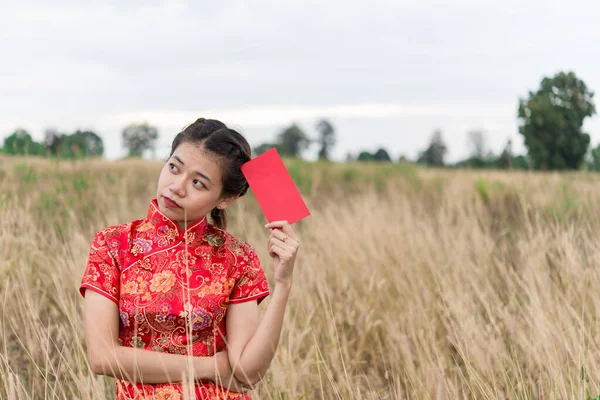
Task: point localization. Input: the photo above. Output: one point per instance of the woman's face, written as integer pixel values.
(190, 185)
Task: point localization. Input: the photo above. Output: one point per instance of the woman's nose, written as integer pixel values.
(178, 187)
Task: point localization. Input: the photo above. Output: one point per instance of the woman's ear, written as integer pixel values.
(225, 202)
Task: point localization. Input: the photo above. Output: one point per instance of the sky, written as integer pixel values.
(385, 73)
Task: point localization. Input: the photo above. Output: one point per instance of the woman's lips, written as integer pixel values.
(170, 203)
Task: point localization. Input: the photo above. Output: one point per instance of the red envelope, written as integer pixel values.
(274, 188)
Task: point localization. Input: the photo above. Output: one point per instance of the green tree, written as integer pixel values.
(80, 144)
(68, 147)
(381, 155)
(90, 143)
(52, 139)
(521, 162)
(138, 138)
(436, 151)
(264, 147)
(595, 159)
(21, 143)
(326, 138)
(292, 141)
(365, 156)
(506, 158)
(552, 120)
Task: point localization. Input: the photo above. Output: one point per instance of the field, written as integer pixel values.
(410, 283)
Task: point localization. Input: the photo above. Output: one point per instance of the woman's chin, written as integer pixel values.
(169, 212)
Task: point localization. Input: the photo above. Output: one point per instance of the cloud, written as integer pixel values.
(285, 114)
(386, 72)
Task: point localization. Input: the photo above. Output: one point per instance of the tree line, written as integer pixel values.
(139, 138)
(550, 121)
(136, 138)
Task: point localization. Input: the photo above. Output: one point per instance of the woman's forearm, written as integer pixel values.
(152, 367)
(260, 350)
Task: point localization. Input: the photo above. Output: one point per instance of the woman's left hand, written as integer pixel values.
(283, 246)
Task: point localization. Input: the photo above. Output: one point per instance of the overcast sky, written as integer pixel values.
(386, 73)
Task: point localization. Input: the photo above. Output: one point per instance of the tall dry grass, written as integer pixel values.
(434, 285)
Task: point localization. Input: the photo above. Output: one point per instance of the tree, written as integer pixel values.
(552, 120)
(365, 156)
(381, 155)
(594, 162)
(477, 143)
(77, 145)
(51, 141)
(292, 141)
(521, 162)
(326, 138)
(21, 143)
(91, 145)
(435, 152)
(480, 155)
(506, 158)
(264, 147)
(138, 138)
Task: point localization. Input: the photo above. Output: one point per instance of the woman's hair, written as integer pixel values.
(230, 150)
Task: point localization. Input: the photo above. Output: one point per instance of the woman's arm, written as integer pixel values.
(107, 357)
(252, 344)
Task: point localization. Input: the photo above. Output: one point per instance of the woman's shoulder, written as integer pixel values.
(120, 232)
(221, 238)
(115, 240)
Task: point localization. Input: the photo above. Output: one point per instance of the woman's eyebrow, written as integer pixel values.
(197, 173)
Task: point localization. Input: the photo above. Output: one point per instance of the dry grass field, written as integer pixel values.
(410, 284)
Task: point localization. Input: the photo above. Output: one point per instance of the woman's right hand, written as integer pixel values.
(224, 375)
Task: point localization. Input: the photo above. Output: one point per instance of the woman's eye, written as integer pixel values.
(172, 167)
(198, 183)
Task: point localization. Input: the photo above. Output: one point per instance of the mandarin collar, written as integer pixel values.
(171, 228)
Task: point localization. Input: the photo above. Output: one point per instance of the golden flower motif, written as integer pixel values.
(187, 308)
(145, 264)
(216, 268)
(143, 283)
(186, 258)
(145, 226)
(189, 237)
(130, 287)
(94, 274)
(186, 263)
(167, 393)
(162, 282)
(216, 287)
(172, 235)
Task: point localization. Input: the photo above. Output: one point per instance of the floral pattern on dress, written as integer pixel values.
(173, 288)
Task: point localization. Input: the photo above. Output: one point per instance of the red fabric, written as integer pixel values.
(161, 276)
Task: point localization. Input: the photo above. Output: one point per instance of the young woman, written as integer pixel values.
(172, 298)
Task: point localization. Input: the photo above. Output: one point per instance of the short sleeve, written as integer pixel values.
(251, 282)
(101, 273)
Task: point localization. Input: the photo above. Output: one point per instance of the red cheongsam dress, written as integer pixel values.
(163, 279)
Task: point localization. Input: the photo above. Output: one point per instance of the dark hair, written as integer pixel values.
(230, 149)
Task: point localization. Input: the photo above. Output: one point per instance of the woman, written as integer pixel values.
(172, 298)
